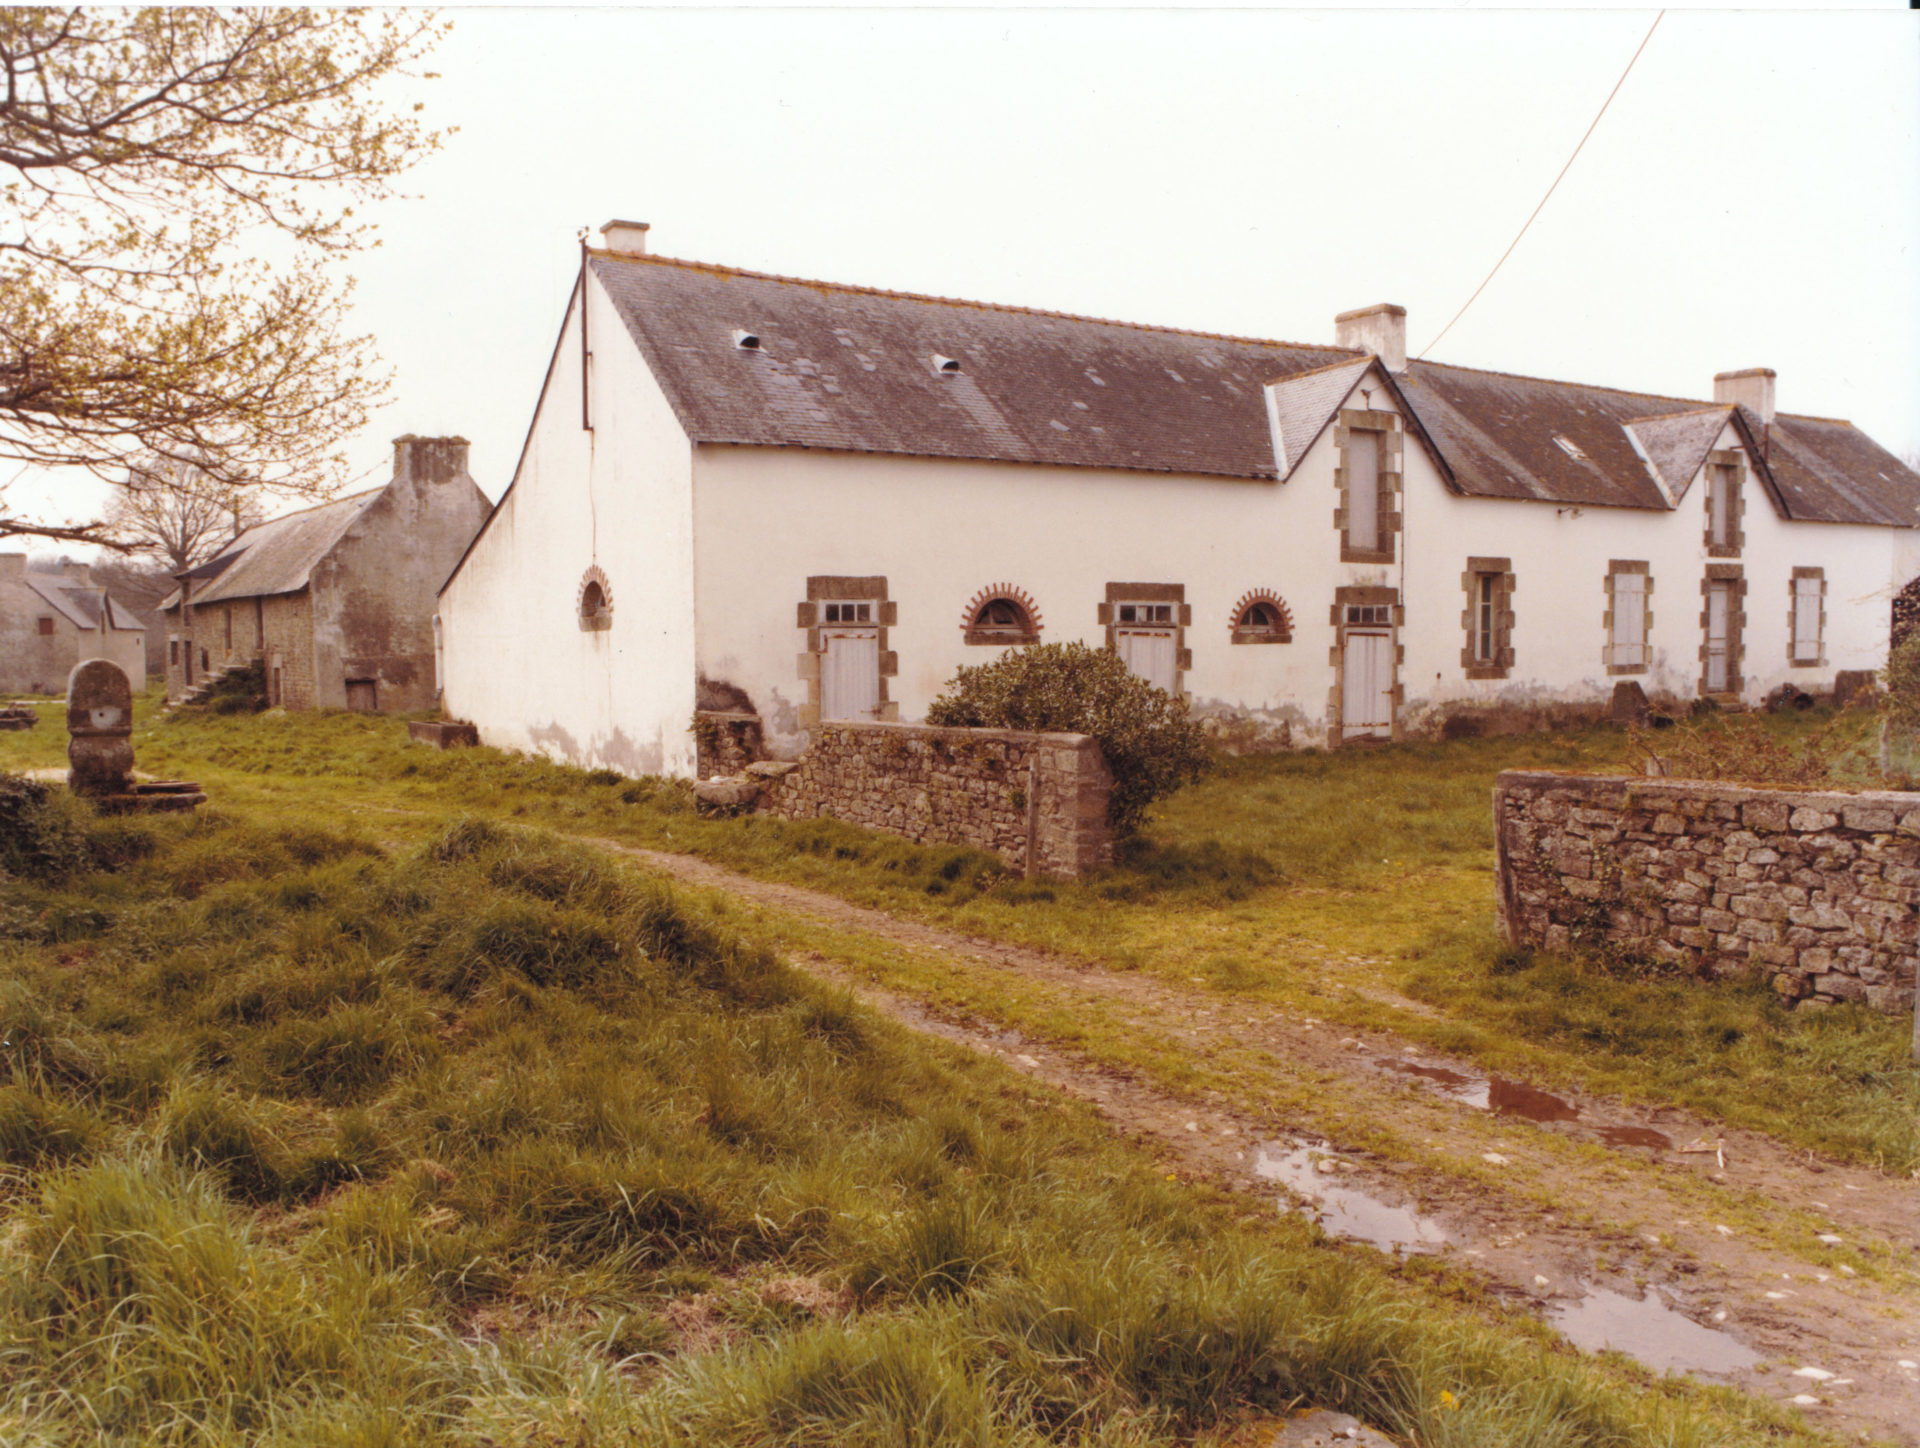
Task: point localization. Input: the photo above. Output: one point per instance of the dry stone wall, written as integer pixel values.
(1815, 890)
(1039, 801)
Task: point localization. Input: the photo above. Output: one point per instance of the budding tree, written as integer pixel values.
(179, 188)
(175, 514)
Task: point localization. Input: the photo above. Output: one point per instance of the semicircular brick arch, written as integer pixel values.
(594, 618)
(977, 632)
(1243, 633)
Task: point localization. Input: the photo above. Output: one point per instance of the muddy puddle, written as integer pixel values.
(1341, 1207)
(1516, 1098)
(1649, 1331)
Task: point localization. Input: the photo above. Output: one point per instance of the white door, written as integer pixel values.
(850, 673)
(1366, 695)
(1718, 597)
(1148, 652)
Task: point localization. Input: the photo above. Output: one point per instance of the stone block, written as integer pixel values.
(1867, 818)
(1789, 986)
(1807, 820)
(1758, 907)
(1840, 987)
(1720, 921)
(1668, 824)
(1819, 917)
(1767, 815)
(1817, 960)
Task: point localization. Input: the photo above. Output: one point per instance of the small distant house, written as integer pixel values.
(54, 618)
(336, 601)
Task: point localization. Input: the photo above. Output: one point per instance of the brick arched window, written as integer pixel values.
(595, 601)
(1262, 617)
(1001, 615)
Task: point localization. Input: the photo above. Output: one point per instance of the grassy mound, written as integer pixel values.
(485, 1141)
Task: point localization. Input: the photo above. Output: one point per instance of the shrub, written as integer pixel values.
(43, 831)
(1902, 680)
(1151, 745)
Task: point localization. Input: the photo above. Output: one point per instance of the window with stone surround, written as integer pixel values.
(1488, 619)
(1262, 617)
(1723, 621)
(1001, 616)
(1807, 618)
(1629, 617)
(853, 613)
(1726, 504)
(593, 605)
(1367, 478)
(1146, 625)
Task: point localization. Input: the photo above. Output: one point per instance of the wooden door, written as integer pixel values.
(1366, 694)
(850, 673)
(1150, 653)
(1719, 600)
(362, 696)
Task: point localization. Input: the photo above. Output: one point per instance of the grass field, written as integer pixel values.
(366, 1118)
(1357, 887)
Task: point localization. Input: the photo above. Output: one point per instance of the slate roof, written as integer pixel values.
(851, 368)
(1301, 406)
(276, 556)
(81, 604)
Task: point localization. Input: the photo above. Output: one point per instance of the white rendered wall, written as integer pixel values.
(518, 664)
(765, 519)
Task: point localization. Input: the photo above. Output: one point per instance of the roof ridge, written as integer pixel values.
(1669, 416)
(651, 259)
(1568, 382)
(310, 508)
(1324, 367)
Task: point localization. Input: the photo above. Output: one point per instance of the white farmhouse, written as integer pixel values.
(812, 501)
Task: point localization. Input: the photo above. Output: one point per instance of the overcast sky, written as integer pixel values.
(1751, 199)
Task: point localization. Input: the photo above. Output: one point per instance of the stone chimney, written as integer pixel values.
(1751, 389)
(13, 566)
(422, 460)
(626, 238)
(1381, 330)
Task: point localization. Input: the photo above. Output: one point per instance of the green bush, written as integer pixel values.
(43, 831)
(1150, 743)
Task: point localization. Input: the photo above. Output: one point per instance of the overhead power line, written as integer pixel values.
(1550, 190)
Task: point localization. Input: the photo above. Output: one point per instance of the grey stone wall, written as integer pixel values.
(1815, 890)
(725, 742)
(1039, 801)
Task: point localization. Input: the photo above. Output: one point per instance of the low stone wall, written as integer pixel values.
(726, 742)
(1039, 801)
(1816, 890)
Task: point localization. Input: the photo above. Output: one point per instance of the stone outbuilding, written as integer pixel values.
(54, 618)
(335, 601)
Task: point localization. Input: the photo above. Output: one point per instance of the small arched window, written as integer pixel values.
(595, 605)
(1262, 618)
(1001, 615)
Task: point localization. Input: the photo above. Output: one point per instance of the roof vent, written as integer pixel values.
(749, 341)
(948, 365)
(1569, 447)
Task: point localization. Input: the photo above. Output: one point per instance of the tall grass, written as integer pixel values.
(484, 1141)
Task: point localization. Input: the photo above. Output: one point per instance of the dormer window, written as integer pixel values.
(1724, 505)
(944, 365)
(746, 341)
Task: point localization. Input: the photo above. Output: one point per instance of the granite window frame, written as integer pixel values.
(1732, 465)
(1370, 597)
(1107, 613)
(1488, 582)
(1616, 568)
(1735, 575)
(810, 615)
(1819, 659)
(1390, 457)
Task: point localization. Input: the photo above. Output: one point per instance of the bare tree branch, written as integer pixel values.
(145, 156)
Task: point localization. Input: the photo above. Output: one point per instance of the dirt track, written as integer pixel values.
(1562, 1212)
